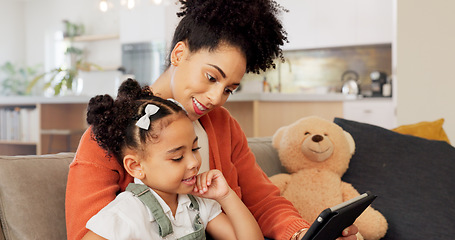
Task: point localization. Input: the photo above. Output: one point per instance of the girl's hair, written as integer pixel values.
(250, 25)
(113, 122)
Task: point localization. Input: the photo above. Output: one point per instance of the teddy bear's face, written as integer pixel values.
(316, 146)
(316, 143)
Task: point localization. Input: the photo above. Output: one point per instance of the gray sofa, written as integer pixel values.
(32, 191)
(412, 176)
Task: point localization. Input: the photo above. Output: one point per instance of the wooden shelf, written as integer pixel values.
(104, 69)
(93, 38)
(7, 142)
(60, 124)
(61, 131)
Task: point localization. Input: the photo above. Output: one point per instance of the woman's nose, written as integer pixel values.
(216, 96)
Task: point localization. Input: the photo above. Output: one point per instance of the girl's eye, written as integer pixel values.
(195, 149)
(210, 78)
(307, 133)
(177, 159)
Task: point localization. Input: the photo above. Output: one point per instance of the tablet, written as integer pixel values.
(332, 221)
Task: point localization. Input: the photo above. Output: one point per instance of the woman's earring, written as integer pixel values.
(175, 62)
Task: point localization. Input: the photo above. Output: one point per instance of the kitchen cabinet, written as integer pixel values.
(376, 111)
(262, 119)
(55, 124)
(333, 23)
(261, 114)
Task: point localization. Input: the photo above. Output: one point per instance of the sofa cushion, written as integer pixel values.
(32, 196)
(429, 130)
(266, 155)
(413, 178)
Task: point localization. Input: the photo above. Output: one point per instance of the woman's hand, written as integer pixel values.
(211, 184)
(348, 234)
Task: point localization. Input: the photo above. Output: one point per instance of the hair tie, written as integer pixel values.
(144, 121)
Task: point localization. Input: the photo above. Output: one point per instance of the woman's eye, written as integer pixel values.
(228, 91)
(210, 78)
(195, 149)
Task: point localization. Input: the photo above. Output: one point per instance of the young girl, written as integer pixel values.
(156, 142)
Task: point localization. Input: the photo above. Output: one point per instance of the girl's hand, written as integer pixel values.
(211, 184)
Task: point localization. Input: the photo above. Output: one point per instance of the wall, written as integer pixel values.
(40, 19)
(424, 62)
(12, 31)
(44, 17)
(334, 23)
(148, 23)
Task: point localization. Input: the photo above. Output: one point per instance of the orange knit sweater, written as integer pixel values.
(94, 180)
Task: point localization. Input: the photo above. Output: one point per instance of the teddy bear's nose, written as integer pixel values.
(317, 138)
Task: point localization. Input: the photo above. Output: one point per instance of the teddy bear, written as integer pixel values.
(316, 153)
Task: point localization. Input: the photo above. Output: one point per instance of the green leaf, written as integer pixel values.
(57, 88)
(34, 82)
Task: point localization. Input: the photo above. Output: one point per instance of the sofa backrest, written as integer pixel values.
(266, 155)
(32, 191)
(32, 196)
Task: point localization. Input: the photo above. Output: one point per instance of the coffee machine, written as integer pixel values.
(380, 87)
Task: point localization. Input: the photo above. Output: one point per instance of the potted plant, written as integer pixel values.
(64, 78)
(16, 79)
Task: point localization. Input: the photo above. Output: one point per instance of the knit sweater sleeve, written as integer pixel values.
(94, 180)
(276, 216)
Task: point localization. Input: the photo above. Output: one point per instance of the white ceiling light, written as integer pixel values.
(130, 4)
(103, 6)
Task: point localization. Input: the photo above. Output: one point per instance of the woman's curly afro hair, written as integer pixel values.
(251, 25)
(113, 122)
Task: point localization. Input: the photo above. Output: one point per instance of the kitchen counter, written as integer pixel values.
(261, 114)
(290, 97)
(237, 97)
(32, 100)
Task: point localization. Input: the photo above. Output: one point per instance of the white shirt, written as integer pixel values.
(203, 142)
(128, 218)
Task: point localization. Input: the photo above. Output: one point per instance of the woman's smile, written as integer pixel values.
(199, 108)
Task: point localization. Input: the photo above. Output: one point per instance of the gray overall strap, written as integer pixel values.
(194, 204)
(198, 226)
(140, 190)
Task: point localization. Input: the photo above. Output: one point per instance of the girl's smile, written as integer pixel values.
(190, 181)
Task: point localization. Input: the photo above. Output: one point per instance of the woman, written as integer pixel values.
(215, 43)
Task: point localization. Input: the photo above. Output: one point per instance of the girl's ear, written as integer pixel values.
(178, 52)
(133, 167)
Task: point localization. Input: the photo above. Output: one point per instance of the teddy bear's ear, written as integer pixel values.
(351, 142)
(276, 139)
